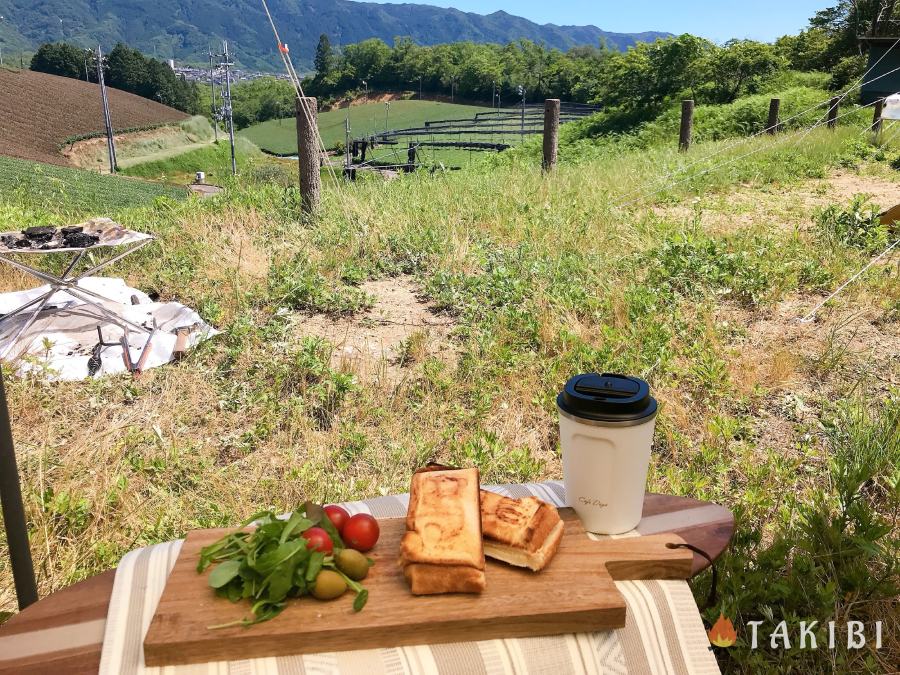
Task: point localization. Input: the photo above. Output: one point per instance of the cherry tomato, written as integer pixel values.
(338, 516)
(361, 532)
(318, 540)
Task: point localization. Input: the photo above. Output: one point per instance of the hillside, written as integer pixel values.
(184, 30)
(40, 112)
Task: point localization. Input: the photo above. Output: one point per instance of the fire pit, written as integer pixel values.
(97, 232)
(74, 240)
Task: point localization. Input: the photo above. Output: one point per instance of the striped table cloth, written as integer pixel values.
(664, 633)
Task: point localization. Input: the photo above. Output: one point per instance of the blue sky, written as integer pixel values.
(714, 19)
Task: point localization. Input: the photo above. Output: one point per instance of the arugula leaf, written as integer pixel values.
(315, 513)
(224, 573)
(360, 600)
(271, 563)
(329, 527)
(295, 522)
(315, 565)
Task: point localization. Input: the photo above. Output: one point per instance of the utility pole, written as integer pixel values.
(387, 114)
(347, 146)
(366, 85)
(212, 94)
(110, 141)
(522, 94)
(226, 96)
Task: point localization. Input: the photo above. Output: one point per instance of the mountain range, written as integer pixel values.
(184, 29)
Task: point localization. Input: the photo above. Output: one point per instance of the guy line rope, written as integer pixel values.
(298, 88)
(812, 314)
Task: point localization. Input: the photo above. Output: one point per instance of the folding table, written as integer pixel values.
(111, 236)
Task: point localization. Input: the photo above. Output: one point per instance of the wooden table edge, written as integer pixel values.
(89, 599)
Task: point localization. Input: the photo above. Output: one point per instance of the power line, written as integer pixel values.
(809, 317)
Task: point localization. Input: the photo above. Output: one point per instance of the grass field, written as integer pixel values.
(56, 191)
(213, 159)
(279, 137)
(528, 278)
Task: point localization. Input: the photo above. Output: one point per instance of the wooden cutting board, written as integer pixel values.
(575, 593)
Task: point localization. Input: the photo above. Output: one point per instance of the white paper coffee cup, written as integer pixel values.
(606, 424)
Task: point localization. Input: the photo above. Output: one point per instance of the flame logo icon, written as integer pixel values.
(722, 634)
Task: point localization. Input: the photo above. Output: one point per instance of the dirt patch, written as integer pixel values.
(802, 365)
(385, 343)
(383, 97)
(131, 148)
(783, 207)
(841, 187)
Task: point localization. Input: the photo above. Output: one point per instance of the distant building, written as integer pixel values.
(172, 64)
(884, 78)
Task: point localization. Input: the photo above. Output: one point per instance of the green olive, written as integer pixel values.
(352, 563)
(329, 585)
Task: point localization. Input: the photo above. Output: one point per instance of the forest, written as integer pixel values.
(124, 68)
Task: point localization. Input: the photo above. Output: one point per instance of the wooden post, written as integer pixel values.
(833, 112)
(876, 116)
(308, 153)
(687, 125)
(551, 133)
(774, 108)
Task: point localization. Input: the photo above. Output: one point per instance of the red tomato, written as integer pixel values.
(318, 540)
(338, 516)
(361, 532)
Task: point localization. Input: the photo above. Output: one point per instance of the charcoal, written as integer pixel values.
(80, 240)
(39, 234)
(72, 229)
(22, 243)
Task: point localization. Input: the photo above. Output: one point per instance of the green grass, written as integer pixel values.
(213, 159)
(279, 137)
(696, 287)
(73, 192)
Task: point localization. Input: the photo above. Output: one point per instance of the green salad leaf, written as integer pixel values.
(271, 563)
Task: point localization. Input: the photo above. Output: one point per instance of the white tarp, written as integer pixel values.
(60, 342)
(891, 110)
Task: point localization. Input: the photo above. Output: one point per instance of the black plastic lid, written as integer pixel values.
(607, 398)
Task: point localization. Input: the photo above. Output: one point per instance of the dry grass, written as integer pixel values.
(492, 290)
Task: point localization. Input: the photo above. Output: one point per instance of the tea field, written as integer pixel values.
(279, 137)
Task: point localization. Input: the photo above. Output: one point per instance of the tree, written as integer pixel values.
(59, 58)
(324, 57)
(738, 67)
(806, 51)
(126, 69)
(850, 20)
